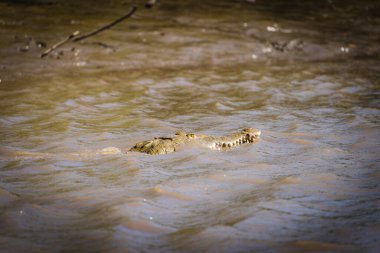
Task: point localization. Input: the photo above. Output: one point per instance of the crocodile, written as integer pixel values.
(166, 145)
(158, 146)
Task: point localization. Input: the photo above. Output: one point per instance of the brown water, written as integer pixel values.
(310, 184)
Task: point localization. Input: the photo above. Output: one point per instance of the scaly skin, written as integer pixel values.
(165, 145)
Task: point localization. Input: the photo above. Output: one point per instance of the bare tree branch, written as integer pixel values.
(86, 35)
(75, 38)
(57, 45)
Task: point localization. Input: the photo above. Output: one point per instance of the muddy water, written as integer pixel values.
(307, 76)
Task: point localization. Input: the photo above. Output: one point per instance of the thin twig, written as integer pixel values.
(84, 36)
(57, 45)
(75, 38)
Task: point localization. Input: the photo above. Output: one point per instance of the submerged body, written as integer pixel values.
(165, 145)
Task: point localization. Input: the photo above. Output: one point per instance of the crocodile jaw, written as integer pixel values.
(247, 135)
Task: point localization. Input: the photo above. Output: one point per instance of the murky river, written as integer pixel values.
(306, 74)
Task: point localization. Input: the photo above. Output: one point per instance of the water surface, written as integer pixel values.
(308, 77)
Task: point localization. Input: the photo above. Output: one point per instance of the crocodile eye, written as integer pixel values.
(190, 135)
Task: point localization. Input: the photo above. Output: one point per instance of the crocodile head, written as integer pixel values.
(247, 135)
(165, 145)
